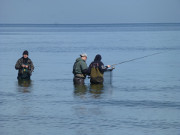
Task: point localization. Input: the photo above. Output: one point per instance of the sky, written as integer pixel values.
(89, 11)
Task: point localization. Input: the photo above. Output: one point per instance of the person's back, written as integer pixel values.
(78, 66)
(80, 69)
(96, 70)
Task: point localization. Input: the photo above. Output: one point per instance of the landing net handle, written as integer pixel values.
(108, 76)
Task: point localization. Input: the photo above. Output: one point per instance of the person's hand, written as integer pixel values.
(23, 65)
(108, 66)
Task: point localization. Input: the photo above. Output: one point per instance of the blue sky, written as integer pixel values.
(89, 11)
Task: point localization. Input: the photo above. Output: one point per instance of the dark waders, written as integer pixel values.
(78, 80)
(97, 80)
(24, 74)
(21, 77)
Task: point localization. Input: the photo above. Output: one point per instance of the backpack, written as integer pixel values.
(96, 75)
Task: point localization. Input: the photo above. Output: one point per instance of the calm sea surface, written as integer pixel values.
(143, 98)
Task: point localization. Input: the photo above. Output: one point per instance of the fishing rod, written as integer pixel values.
(134, 59)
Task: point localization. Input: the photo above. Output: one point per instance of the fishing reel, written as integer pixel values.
(112, 67)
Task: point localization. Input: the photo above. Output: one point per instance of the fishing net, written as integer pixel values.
(108, 76)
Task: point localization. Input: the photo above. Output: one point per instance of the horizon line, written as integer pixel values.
(81, 23)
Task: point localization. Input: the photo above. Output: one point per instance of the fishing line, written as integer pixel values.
(135, 59)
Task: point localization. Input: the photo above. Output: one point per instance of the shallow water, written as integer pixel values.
(143, 98)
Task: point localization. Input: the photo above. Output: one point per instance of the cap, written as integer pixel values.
(83, 55)
(25, 52)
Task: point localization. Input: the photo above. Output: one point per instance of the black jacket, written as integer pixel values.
(97, 63)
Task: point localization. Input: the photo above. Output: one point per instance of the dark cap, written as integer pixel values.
(25, 52)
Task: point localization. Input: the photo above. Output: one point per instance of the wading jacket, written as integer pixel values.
(97, 64)
(22, 61)
(80, 68)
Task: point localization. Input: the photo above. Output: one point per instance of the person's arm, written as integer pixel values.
(18, 65)
(85, 71)
(103, 68)
(89, 69)
(84, 68)
(31, 66)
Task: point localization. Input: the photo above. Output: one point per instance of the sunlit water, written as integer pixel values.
(143, 98)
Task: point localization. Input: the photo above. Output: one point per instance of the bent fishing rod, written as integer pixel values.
(134, 59)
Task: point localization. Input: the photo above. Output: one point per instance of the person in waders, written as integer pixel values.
(96, 70)
(80, 69)
(25, 67)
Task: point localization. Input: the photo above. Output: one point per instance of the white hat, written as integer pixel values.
(83, 55)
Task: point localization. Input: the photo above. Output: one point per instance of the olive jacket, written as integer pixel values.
(80, 68)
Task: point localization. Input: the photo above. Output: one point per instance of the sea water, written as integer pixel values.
(143, 98)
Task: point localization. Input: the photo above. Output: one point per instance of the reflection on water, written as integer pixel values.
(92, 90)
(80, 90)
(92, 111)
(96, 90)
(87, 113)
(24, 86)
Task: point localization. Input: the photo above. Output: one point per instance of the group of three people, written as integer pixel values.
(95, 70)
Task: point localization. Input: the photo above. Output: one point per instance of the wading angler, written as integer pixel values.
(25, 67)
(80, 69)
